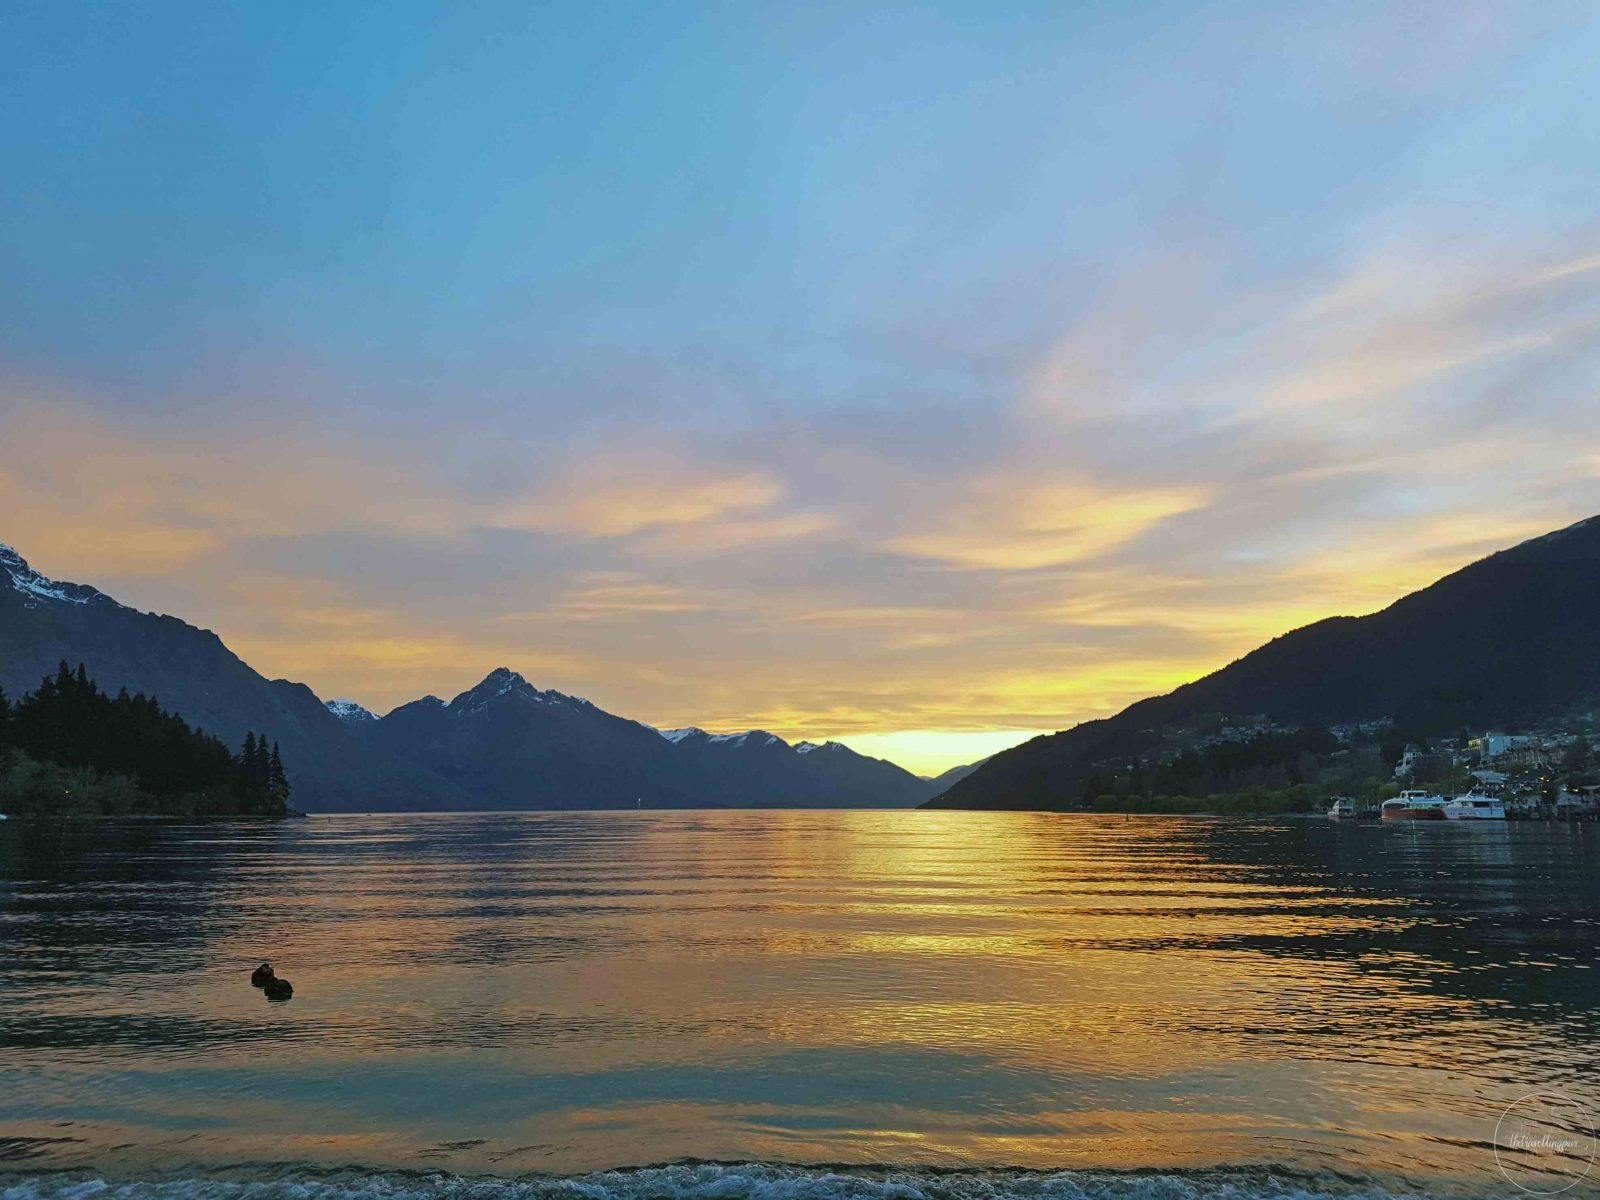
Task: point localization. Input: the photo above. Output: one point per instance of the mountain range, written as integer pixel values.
(1509, 639)
(1505, 640)
(503, 744)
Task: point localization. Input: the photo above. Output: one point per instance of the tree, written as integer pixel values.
(247, 755)
(1094, 787)
(263, 763)
(1305, 769)
(277, 781)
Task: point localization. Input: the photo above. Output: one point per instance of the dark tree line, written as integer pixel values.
(1277, 759)
(262, 768)
(68, 747)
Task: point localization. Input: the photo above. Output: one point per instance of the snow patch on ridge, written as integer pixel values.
(722, 739)
(1545, 539)
(741, 739)
(38, 587)
(1573, 528)
(757, 737)
(350, 712)
(502, 681)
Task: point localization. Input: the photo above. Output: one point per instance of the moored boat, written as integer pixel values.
(1342, 809)
(1475, 806)
(1414, 806)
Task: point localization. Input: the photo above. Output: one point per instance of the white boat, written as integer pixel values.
(1342, 809)
(1475, 806)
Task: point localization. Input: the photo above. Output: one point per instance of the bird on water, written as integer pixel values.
(265, 978)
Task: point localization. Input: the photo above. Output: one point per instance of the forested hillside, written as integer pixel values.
(68, 749)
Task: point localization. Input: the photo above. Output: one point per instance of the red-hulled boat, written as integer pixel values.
(1414, 806)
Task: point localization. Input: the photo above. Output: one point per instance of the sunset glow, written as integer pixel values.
(724, 369)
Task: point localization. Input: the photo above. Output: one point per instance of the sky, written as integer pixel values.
(922, 376)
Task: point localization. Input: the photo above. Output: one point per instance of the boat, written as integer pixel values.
(1475, 806)
(1414, 806)
(1342, 809)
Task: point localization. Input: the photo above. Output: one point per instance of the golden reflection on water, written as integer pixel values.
(564, 991)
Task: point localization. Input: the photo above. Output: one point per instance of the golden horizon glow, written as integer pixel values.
(818, 588)
(333, 642)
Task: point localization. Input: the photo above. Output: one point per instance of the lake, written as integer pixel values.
(795, 1004)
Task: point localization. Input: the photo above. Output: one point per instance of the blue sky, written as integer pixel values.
(923, 374)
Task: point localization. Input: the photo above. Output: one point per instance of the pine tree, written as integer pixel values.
(247, 757)
(277, 781)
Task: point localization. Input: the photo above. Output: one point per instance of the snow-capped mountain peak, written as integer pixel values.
(349, 712)
(747, 737)
(504, 682)
(36, 587)
(750, 737)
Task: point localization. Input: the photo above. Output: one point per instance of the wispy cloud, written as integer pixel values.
(626, 595)
(1004, 523)
(615, 496)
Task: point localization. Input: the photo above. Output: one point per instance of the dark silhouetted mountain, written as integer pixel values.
(510, 745)
(947, 779)
(504, 744)
(1507, 640)
(759, 764)
(193, 674)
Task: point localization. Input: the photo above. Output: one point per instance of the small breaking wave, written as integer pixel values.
(715, 1181)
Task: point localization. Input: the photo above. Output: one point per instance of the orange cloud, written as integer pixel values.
(1007, 524)
(622, 594)
(617, 496)
(721, 536)
(117, 497)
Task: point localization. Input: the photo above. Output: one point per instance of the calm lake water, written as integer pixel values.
(934, 1004)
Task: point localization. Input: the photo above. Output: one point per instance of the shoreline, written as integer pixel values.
(689, 1178)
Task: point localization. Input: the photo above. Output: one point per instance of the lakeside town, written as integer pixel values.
(1547, 773)
(1361, 770)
